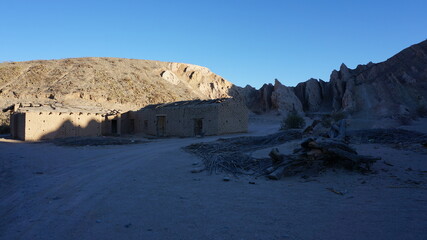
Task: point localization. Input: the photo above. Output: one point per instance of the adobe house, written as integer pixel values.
(193, 118)
(34, 123)
(183, 119)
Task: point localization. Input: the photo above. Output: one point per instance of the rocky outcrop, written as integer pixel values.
(391, 88)
(397, 86)
(312, 95)
(258, 101)
(285, 100)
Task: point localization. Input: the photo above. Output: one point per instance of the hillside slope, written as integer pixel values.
(107, 82)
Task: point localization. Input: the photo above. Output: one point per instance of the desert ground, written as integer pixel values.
(147, 191)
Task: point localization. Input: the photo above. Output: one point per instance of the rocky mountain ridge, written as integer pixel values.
(395, 87)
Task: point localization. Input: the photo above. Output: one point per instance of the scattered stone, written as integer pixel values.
(39, 173)
(388, 164)
(226, 179)
(197, 170)
(335, 191)
(250, 182)
(128, 225)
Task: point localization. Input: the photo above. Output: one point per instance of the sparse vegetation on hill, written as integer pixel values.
(107, 82)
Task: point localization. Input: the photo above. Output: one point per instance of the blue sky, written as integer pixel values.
(245, 41)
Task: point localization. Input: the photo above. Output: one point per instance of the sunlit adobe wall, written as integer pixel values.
(51, 125)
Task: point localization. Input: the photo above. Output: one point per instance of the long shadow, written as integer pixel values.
(69, 129)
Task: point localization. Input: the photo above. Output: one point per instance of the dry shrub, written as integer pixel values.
(293, 121)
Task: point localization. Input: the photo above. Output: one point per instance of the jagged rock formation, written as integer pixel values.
(284, 99)
(397, 86)
(258, 101)
(391, 88)
(107, 82)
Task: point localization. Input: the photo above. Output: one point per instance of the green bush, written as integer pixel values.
(293, 121)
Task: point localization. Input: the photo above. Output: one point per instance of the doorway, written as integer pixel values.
(113, 127)
(198, 127)
(132, 126)
(161, 126)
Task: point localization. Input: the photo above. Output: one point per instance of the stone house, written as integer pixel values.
(182, 119)
(193, 118)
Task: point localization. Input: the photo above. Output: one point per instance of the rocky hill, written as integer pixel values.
(107, 82)
(395, 87)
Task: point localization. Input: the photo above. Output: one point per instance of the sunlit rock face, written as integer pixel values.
(107, 82)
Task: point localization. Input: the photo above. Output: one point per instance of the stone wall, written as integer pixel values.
(186, 121)
(179, 121)
(233, 118)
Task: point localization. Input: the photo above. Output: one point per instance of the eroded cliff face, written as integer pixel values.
(107, 82)
(394, 87)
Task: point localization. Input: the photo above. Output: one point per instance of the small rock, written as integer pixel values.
(251, 182)
(226, 179)
(128, 225)
(39, 173)
(197, 170)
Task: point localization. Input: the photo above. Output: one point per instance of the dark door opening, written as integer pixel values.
(132, 126)
(161, 126)
(113, 126)
(198, 127)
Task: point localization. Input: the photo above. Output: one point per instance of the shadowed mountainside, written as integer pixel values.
(395, 87)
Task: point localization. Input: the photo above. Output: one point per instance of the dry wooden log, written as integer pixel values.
(318, 154)
(276, 156)
(277, 174)
(324, 144)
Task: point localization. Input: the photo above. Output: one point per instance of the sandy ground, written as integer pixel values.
(146, 191)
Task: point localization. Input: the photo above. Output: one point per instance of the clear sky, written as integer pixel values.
(245, 41)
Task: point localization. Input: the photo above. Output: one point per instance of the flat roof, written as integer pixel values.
(191, 103)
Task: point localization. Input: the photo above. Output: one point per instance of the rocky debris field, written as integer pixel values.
(232, 156)
(229, 155)
(396, 138)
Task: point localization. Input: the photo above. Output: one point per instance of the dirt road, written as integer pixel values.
(146, 191)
